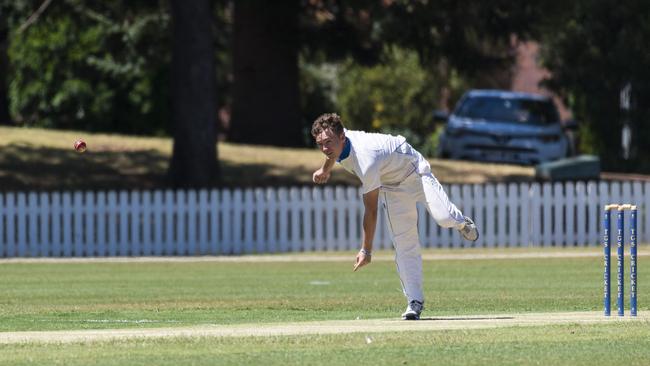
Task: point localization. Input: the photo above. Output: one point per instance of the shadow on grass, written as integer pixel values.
(262, 175)
(25, 168)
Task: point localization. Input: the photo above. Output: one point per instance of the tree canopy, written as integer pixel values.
(385, 65)
(594, 49)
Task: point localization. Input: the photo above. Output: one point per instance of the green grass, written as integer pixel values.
(60, 296)
(573, 344)
(47, 296)
(40, 159)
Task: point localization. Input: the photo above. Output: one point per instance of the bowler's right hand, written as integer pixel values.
(362, 259)
(321, 176)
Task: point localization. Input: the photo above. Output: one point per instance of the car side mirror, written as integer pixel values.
(440, 116)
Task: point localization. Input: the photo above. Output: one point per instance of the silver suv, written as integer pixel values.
(504, 126)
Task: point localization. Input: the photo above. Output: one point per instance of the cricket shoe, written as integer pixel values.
(469, 230)
(413, 310)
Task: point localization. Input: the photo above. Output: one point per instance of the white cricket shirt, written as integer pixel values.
(381, 160)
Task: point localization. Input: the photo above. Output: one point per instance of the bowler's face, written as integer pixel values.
(330, 144)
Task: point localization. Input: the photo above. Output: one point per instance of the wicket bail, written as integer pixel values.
(620, 244)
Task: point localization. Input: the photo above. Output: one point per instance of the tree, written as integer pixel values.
(471, 39)
(266, 101)
(468, 37)
(593, 50)
(92, 65)
(11, 13)
(5, 119)
(194, 159)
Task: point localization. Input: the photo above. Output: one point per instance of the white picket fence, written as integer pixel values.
(273, 220)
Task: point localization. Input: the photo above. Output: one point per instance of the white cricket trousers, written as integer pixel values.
(402, 217)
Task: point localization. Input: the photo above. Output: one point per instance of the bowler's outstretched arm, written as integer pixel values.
(370, 203)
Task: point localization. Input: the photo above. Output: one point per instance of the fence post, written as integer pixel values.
(490, 215)
(123, 214)
(295, 207)
(32, 215)
(319, 223)
(307, 208)
(135, 213)
(524, 196)
(169, 222)
(581, 214)
(479, 212)
(238, 209)
(77, 224)
(215, 223)
(100, 210)
(593, 209)
(547, 199)
(535, 194)
(21, 213)
(260, 221)
(203, 223)
(456, 196)
(181, 228)
(502, 221)
(147, 248)
(514, 219)
(56, 224)
(226, 214)
(192, 223)
(3, 243)
(330, 242)
(89, 209)
(272, 239)
(283, 220)
(249, 212)
(339, 204)
(468, 207)
(569, 222)
(558, 214)
(158, 223)
(67, 224)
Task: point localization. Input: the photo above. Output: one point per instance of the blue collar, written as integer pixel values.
(346, 150)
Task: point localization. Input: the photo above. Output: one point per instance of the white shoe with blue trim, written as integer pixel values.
(469, 230)
(413, 310)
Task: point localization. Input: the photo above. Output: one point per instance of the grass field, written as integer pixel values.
(104, 295)
(627, 343)
(41, 159)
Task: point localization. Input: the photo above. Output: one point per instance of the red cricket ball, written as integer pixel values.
(80, 146)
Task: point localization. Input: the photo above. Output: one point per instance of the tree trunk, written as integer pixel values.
(266, 99)
(194, 160)
(5, 118)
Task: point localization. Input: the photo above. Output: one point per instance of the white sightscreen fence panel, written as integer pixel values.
(297, 219)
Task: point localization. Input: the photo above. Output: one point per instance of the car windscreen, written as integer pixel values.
(515, 110)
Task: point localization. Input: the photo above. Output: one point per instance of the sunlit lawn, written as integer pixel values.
(49, 296)
(41, 159)
(44, 296)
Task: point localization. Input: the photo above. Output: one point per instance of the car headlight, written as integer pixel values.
(548, 139)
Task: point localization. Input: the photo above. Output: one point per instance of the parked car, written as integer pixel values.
(504, 126)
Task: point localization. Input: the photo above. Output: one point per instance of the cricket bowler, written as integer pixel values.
(389, 167)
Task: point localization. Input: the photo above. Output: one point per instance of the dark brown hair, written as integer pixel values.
(326, 121)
